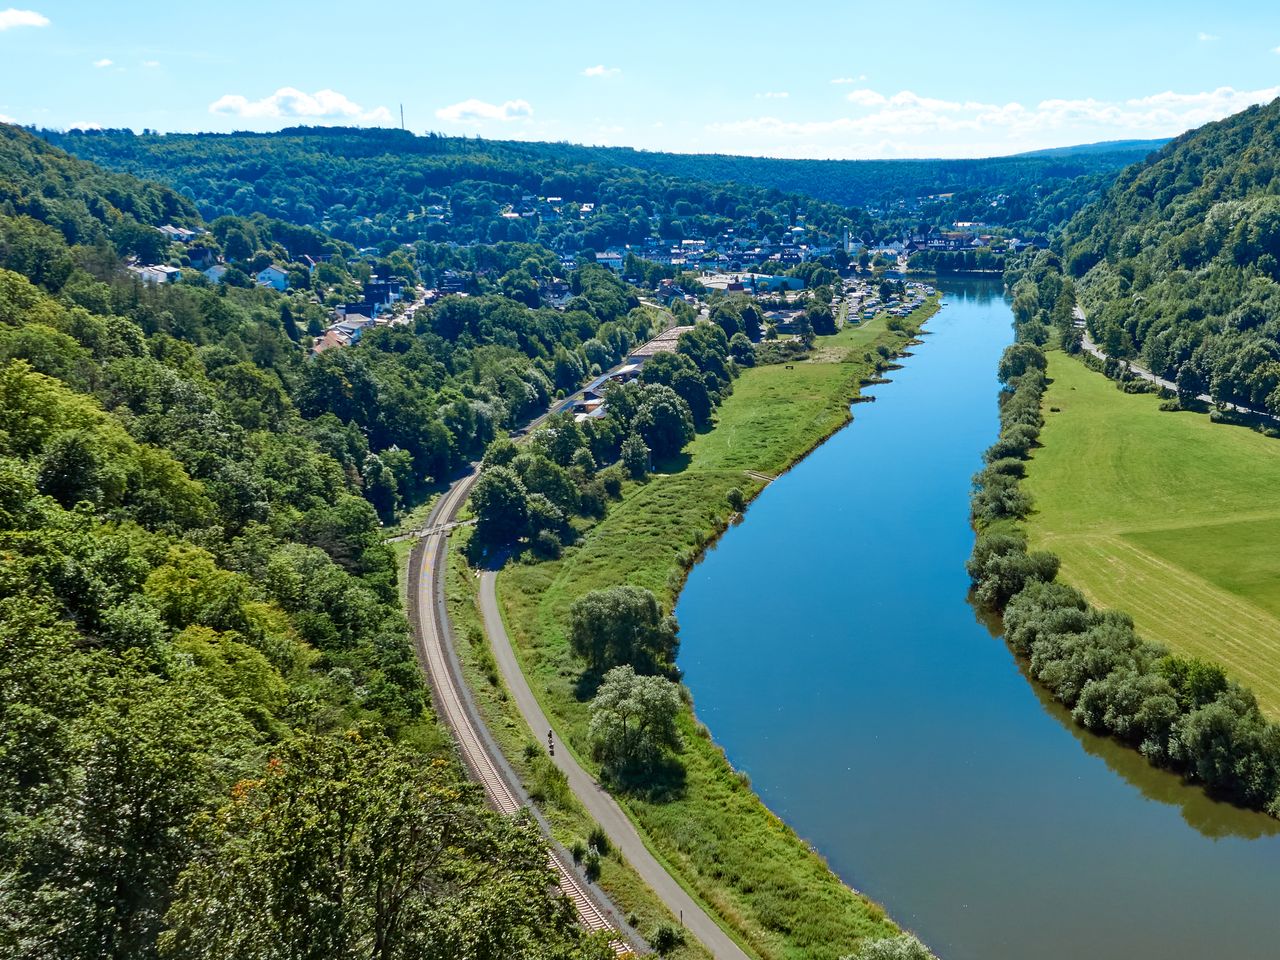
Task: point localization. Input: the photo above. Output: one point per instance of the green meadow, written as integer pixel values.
(1167, 516)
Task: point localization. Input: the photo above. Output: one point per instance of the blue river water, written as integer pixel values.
(831, 649)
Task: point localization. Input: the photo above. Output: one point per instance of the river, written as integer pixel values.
(832, 651)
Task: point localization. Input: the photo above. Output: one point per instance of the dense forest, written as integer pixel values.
(365, 186)
(1179, 263)
(1027, 192)
(370, 185)
(215, 738)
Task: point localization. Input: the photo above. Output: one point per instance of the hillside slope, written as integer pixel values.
(212, 726)
(368, 184)
(1180, 260)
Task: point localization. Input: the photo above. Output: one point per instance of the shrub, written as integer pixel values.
(666, 938)
(612, 477)
(902, 947)
(737, 500)
(547, 545)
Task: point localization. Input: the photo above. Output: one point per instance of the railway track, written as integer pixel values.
(433, 640)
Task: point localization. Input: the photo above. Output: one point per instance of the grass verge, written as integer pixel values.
(767, 887)
(569, 822)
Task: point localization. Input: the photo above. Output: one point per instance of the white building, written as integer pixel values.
(157, 274)
(273, 276)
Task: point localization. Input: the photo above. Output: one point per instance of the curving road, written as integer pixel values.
(1088, 346)
(433, 637)
(602, 807)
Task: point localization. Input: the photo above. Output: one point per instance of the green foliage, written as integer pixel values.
(623, 626)
(1180, 712)
(1179, 262)
(353, 848)
(191, 566)
(500, 503)
(635, 456)
(368, 186)
(902, 947)
(633, 723)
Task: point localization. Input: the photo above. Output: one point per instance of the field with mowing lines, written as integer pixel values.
(1166, 516)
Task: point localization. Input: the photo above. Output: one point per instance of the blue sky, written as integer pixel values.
(820, 79)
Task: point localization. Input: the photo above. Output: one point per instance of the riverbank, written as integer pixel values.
(1158, 514)
(772, 892)
(1183, 712)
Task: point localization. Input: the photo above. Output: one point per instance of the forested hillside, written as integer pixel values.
(370, 185)
(1033, 191)
(1179, 263)
(214, 738)
(365, 186)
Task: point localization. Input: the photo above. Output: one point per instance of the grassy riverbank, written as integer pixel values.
(1165, 516)
(767, 887)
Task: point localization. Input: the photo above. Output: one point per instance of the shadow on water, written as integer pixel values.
(1211, 818)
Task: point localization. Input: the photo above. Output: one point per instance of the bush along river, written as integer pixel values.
(831, 648)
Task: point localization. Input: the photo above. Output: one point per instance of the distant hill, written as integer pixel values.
(1140, 148)
(1179, 261)
(855, 182)
(370, 185)
(78, 198)
(362, 183)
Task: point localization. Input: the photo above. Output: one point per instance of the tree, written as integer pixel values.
(635, 456)
(633, 722)
(679, 373)
(663, 420)
(622, 625)
(380, 487)
(742, 350)
(350, 849)
(500, 504)
(1017, 359)
(820, 318)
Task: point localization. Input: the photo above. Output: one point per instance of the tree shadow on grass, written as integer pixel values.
(665, 782)
(677, 463)
(585, 687)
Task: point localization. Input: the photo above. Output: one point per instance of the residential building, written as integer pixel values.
(273, 276)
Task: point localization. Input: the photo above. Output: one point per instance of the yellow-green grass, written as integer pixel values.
(1166, 516)
(767, 887)
(568, 820)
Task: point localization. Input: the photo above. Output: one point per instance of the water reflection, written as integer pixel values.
(831, 653)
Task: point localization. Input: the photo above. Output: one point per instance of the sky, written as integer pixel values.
(844, 80)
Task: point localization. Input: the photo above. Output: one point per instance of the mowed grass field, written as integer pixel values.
(1166, 516)
(774, 893)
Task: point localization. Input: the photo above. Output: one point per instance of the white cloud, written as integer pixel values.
(7, 119)
(21, 18)
(477, 111)
(151, 63)
(773, 95)
(600, 70)
(906, 123)
(85, 125)
(865, 98)
(1206, 37)
(104, 62)
(289, 102)
(1276, 50)
(845, 80)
